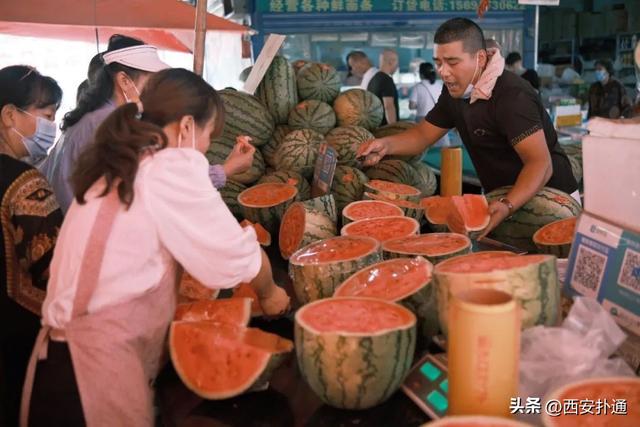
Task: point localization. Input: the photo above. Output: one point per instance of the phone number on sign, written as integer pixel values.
(556, 408)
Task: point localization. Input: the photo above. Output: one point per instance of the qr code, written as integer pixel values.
(588, 271)
(630, 272)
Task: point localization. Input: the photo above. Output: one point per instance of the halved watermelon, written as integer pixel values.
(475, 421)
(382, 229)
(190, 289)
(436, 211)
(555, 238)
(364, 209)
(531, 279)
(245, 291)
(317, 269)
(468, 214)
(219, 360)
(403, 280)
(605, 390)
(302, 225)
(266, 203)
(354, 352)
(325, 204)
(264, 237)
(436, 247)
(392, 190)
(409, 208)
(235, 310)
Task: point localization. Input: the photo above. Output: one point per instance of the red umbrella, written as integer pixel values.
(166, 24)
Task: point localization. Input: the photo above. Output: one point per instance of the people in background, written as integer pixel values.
(31, 220)
(513, 63)
(351, 79)
(425, 94)
(608, 97)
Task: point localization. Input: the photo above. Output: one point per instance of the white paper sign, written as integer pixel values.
(268, 52)
(540, 2)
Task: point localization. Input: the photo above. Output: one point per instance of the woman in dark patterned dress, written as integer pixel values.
(30, 219)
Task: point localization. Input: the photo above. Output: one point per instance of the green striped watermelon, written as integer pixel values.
(312, 114)
(269, 149)
(218, 152)
(531, 279)
(317, 269)
(574, 153)
(394, 171)
(245, 115)
(435, 247)
(394, 129)
(265, 204)
(230, 193)
(278, 90)
(299, 64)
(325, 204)
(291, 178)
(298, 152)
(302, 225)
(357, 107)
(426, 180)
(346, 140)
(348, 185)
(546, 206)
(354, 352)
(320, 82)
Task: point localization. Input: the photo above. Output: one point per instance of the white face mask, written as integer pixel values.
(467, 92)
(126, 98)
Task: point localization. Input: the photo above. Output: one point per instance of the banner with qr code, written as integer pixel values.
(605, 264)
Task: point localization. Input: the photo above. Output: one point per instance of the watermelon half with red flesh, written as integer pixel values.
(232, 310)
(219, 360)
(382, 229)
(354, 352)
(365, 209)
(435, 247)
(245, 291)
(556, 237)
(190, 289)
(266, 203)
(466, 214)
(403, 280)
(436, 210)
(302, 225)
(409, 208)
(264, 237)
(392, 190)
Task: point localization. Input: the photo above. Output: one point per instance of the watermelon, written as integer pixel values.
(299, 65)
(357, 107)
(190, 289)
(409, 208)
(548, 205)
(531, 279)
(325, 204)
(348, 185)
(234, 310)
(603, 390)
(394, 171)
(364, 209)
(346, 140)
(426, 180)
(245, 115)
(354, 352)
(264, 238)
(392, 190)
(574, 153)
(219, 360)
(403, 280)
(298, 152)
(383, 228)
(230, 193)
(317, 269)
(475, 421)
(277, 90)
(291, 178)
(218, 152)
(468, 214)
(245, 291)
(320, 82)
(394, 129)
(302, 225)
(266, 203)
(314, 115)
(435, 247)
(269, 149)
(436, 209)
(556, 237)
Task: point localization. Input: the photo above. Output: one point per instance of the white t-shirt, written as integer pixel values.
(425, 95)
(176, 215)
(367, 77)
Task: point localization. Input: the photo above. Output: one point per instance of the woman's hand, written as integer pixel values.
(241, 157)
(275, 302)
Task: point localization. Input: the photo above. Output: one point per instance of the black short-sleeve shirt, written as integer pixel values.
(382, 86)
(490, 129)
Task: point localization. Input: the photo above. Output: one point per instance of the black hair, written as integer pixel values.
(461, 29)
(512, 58)
(100, 90)
(427, 72)
(25, 87)
(607, 64)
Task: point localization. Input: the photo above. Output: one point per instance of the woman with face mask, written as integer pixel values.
(608, 97)
(30, 219)
(143, 204)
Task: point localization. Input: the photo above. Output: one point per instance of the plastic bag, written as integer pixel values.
(579, 349)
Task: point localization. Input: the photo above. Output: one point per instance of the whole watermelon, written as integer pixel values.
(320, 82)
(269, 149)
(230, 193)
(312, 114)
(278, 90)
(245, 115)
(346, 140)
(218, 152)
(394, 171)
(357, 107)
(348, 185)
(394, 129)
(298, 152)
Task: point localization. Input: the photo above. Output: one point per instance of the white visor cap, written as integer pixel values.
(143, 57)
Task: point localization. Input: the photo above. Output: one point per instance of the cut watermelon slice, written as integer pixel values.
(223, 360)
(245, 291)
(468, 213)
(436, 247)
(364, 209)
(266, 203)
(236, 310)
(302, 225)
(190, 289)
(264, 237)
(392, 190)
(436, 210)
(382, 229)
(409, 208)
(556, 237)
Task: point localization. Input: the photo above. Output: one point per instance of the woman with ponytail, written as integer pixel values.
(144, 204)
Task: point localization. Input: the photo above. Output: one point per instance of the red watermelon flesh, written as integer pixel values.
(245, 291)
(468, 213)
(382, 229)
(264, 237)
(393, 187)
(266, 195)
(432, 244)
(236, 310)
(335, 250)
(370, 209)
(436, 209)
(556, 233)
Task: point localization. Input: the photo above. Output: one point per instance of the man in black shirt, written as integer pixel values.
(509, 136)
(383, 86)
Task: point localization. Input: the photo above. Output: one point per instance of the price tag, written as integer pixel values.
(324, 171)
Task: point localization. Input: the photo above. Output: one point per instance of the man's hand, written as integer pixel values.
(498, 212)
(241, 157)
(371, 152)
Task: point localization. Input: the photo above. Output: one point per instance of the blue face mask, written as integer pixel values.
(601, 75)
(38, 144)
